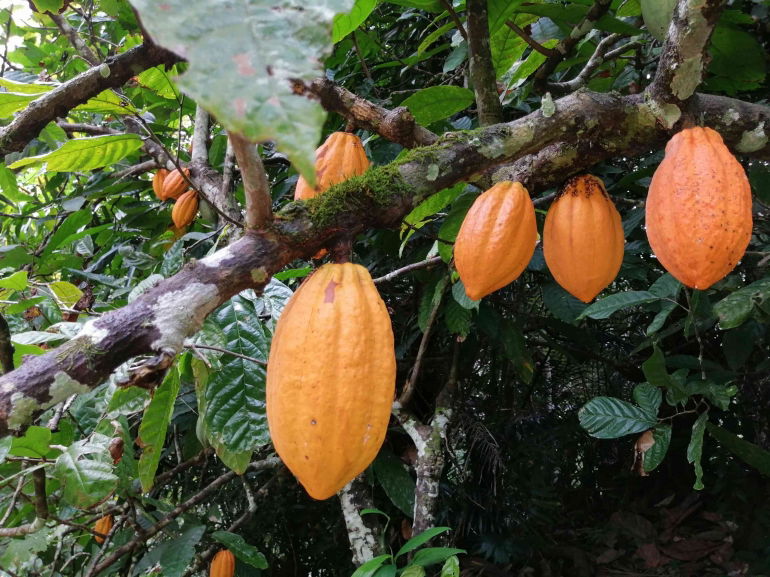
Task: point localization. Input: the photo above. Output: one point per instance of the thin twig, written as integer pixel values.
(72, 35)
(14, 498)
(259, 210)
(41, 509)
(534, 44)
(455, 18)
(408, 268)
(225, 351)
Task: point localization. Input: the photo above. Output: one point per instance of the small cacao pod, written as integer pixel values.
(341, 156)
(698, 210)
(103, 526)
(331, 378)
(496, 240)
(583, 238)
(185, 209)
(223, 564)
(174, 185)
(157, 182)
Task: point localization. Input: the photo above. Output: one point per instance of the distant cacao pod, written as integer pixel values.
(698, 210)
(331, 378)
(174, 185)
(340, 157)
(496, 240)
(185, 209)
(157, 182)
(223, 564)
(583, 238)
(103, 525)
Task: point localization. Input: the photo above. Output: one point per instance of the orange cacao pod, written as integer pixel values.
(103, 526)
(698, 210)
(496, 240)
(185, 209)
(223, 564)
(331, 378)
(174, 185)
(583, 238)
(157, 182)
(341, 156)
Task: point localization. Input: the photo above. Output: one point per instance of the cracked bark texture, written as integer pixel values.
(482, 73)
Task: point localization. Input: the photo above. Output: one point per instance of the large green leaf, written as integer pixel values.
(11, 102)
(34, 443)
(84, 154)
(507, 47)
(737, 60)
(369, 568)
(395, 480)
(655, 454)
(438, 102)
(609, 418)
(85, 471)
(344, 24)
(152, 431)
(433, 555)
(695, 448)
(420, 539)
(648, 397)
(749, 453)
(242, 58)
(734, 309)
(603, 308)
(235, 395)
(173, 555)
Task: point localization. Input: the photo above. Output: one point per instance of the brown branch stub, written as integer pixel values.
(395, 125)
(58, 102)
(6, 346)
(683, 59)
(524, 35)
(482, 72)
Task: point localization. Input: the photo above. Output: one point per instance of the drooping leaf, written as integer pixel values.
(344, 24)
(655, 454)
(421, 539)
(735, 308)
(433, 555)
(241, 60)
(395, 480)
(173, 555)
(603, 308)
(85, 471)
(561, 304)
(152, 431)
(748, 452)
(648, 397)
(369, 568)
(66, 293)
(695, 449)
(34, 442)
(16, 281)
(451, 567)
(609, 418)
(84, 154)
(238, 546)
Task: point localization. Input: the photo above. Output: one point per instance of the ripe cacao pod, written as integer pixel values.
(103, 526)
(331, 378)
(157, 182)
(185, 209)
(583, 238)
(223, 564)
(698, 210)
(174, 185)
(496, 240)
(341, 156)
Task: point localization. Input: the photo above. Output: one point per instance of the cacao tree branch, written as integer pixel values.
(72, 35)
(683, 59)
(362, 530)
(259, 208)
(482, 73)
(6, 346)
(599, 57)
(41, 509)
(157, 322)
(535, 45)
(427, 263)
(112, 73)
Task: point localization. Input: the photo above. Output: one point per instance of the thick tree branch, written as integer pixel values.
(482, 73)
(683, 59)
(259, 208)
(112, 73)
(362, 531)
(157, 322)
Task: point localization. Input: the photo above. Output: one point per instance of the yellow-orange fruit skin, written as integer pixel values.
(698, 210)
(496, 240)
(331, 378)
(223, 564)
(185, 209)
(103, 526)
(174, 184)
(157, 182)
(340, 157)
(583, 238)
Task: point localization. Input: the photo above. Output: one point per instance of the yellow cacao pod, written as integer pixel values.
(174, 184)
(331, 378)
(157, 182)
(340, 157)
(185, 209)
(583, 238)
(223, 564)
(103, 525)
(496, 240)
(698, 210)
